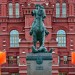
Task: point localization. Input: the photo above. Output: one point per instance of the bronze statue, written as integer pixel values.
(38, 30)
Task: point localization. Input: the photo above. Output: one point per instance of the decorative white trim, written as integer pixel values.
(72, 73)
(71, 45)
(66, 67)
(19, 40)
(4, 30)
(28, 4)
(5, 73)
(55, 71)
(9, 67)
(23, 52)
(55, 65)
(22, 65)
(4, 45)
(47, 4)
(53, 52)
(4, 41)
(71, 49)
(22, 71)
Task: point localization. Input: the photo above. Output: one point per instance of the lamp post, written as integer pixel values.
(2, 59)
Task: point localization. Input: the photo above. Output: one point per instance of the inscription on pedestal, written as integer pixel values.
(39, 68)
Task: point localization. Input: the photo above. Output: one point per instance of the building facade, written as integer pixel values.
(15, 23)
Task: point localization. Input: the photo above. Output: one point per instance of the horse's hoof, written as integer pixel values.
(34, 50)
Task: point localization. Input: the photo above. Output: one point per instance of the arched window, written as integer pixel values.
(63, 9)
(61, 38)
(17, 10)
(14, 38)
(57, 10)
(10, 10)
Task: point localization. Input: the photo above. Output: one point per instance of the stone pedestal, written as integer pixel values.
(39, 64)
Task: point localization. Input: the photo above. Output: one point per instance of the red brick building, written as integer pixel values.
(15, 23)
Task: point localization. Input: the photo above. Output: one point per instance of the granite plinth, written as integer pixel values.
(39, 63)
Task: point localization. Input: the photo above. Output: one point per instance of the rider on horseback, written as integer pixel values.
(38, 30)
(39, 9)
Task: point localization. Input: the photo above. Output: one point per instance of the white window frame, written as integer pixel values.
(10, 10)
(64, 9)
(17, 12)
(14, 38)
(57, 10)
(61, 38)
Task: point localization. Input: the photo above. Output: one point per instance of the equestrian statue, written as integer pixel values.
(38, 29)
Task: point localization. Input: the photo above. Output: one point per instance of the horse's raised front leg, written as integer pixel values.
(34, 39)
(34, 50)
(42, 39)
(42, 47)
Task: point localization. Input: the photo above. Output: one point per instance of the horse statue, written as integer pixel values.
(38, 29)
